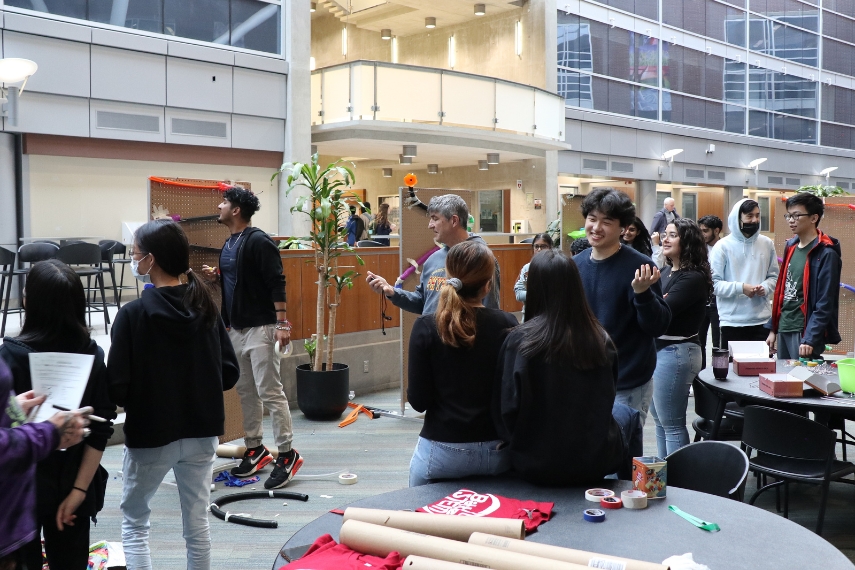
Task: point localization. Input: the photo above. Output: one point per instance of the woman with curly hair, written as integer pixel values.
(686, 285)
(637, 237)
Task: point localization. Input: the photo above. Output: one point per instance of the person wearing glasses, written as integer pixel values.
(744, 272)
(804, 310)
(541, 242)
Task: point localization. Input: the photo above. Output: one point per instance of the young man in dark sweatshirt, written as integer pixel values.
(253, 309)
(622, 287)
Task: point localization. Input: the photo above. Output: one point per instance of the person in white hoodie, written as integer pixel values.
(744, 273)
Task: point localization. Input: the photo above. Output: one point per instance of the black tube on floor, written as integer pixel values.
(249, 521)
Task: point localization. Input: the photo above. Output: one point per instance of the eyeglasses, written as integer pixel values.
(794, 217)
(539, 247)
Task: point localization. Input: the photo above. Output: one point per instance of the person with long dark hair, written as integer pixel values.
(70, 484)
(170, 362)
(381, 224)
(452, 372)
(636, 236)
(686, 286)
(558, 374)
(541, 242)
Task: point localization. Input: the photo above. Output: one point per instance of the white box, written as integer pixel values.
(748, 349)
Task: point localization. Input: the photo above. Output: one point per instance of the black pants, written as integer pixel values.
(710, 319)
(66, 550)
(756, 332)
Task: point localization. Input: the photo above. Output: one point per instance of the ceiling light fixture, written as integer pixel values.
(755, 164)
(387, 173)
(404, 159)
(480, 9)
(385, 34)
(670, 154)
(492, 158)
(433, 169)
(409, 151)
(430, 22)
(313, 6)
(482, 165)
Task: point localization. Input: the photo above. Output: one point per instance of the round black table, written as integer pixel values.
(749, 538)
(745, 390)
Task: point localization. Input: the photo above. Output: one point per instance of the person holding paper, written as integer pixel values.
(70, 483)
(170, 362)
(22, 445)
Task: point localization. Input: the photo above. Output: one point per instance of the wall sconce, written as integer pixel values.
(452, 56)
(395, 49)
(827, 173)
(755, 164)
(344, 41)
(668, 156)
(518, 38)
(311, 64)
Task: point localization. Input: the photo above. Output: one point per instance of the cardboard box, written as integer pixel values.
(781, 386)
(650, 474)
(823, 384)
(754, 366)
(748, 349)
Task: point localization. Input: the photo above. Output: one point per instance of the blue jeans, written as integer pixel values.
(676, 367)
(435, 460)
(192, 462)
(637, 398)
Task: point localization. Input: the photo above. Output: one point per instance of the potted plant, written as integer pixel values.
(823, 191)
(323, 385)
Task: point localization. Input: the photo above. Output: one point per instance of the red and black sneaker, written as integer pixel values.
(287, 465)
(253, 460)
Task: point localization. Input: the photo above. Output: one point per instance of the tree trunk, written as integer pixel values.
(333, 306)
(319, 322)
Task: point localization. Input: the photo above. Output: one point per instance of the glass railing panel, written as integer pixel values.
(336, 94)
(317, 102)
(362, 91)
(405, 94)
(468, 101)
(548, 115)
(514, 108)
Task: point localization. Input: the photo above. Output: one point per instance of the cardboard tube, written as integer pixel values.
(381, 540)
(229, 451)
(422, 563)
(444, 526)
(556, 552)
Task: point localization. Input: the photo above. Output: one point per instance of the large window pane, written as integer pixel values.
(255, 25)
(838, 27)
(838, 136)
(144, 15)
(838, 104)
(574, 43)
(706, 18)
(575, 88)
(646, 8)
(773, 38)
(789, 11)
(702, 74)
(781, 127)
(625, 99)
(843, 6)
(781, 92)
(70, 8)
(838, 57)
(205, 20)
(620, 53)
(706, 114)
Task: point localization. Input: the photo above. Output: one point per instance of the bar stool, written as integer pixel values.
(109, 250)
(31, 253)
(7, 274)
(86, 260)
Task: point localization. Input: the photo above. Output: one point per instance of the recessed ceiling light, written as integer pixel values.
(492, 158)
(430, 22)
(409, 150)
(313, 6)
(404, 159)
(480, 9)
(482, 165)
(385, 34)
(433, 169)
(387, 173)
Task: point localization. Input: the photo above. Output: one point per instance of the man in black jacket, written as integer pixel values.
(253, 309)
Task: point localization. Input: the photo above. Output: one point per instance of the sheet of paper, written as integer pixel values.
(62, 377)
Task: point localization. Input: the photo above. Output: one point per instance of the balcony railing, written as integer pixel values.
(377, 91)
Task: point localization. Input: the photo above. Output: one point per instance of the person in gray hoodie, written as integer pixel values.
(744, 273)
(447, 214)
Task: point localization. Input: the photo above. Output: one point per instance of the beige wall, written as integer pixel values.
(499, 177)
(485, 46)
(93, 196)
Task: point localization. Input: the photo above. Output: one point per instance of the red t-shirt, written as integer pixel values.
(471, 504)
(327, 554)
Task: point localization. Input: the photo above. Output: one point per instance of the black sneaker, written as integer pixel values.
(253, 460)
(287, 465)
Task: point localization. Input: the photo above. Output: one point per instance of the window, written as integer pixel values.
(146, 15)
(706, 18)
(781, 127)
(838, 104)
(838, 57)
(69, 8)
(645, 8)
(490, 215)
(838, 27)
(773, 38)
(690, 206)
(765, 214)
(624, 98)
(714, 115)
(789, 11)
(838, 136)
(660, 198)
(781, 92)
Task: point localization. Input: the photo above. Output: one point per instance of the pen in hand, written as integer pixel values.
(90, 416)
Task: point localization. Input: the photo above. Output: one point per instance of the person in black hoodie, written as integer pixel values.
(558, 372)
(253, 308)
(70, 484)
(170, 362)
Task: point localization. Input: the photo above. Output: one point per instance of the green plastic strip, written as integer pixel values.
(701, 524)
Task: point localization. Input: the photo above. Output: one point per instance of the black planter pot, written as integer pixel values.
(323, 395)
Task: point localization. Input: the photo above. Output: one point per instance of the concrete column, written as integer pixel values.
(732, 195)
(297, 43)
(552, 206)
(645, 200)
(8, 224)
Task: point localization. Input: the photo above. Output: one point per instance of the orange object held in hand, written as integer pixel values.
(410, 180)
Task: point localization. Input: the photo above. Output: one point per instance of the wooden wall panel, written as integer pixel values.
(511, 258)
(711, 204)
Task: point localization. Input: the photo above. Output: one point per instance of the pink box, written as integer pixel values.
(781, 386)
(754, 366)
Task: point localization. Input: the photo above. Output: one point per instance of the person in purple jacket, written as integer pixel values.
(22, 445)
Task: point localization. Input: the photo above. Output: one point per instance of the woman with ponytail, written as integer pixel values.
(170, 362)
(452, 371)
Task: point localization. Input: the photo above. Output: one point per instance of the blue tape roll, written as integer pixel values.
(594, 515)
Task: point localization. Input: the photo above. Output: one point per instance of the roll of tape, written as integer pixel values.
(594, 515)
(348, 478)
(634, 499)
(595, 495)
(611, 503)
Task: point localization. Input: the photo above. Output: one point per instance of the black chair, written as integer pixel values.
(7, 274)
(528, 240)
(711, 467)
(109, 250)
(369, 243)
(711, 423)
(788, 448)
(28, 254)
(85, 259)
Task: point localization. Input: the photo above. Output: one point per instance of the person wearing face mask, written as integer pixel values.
(744, 273)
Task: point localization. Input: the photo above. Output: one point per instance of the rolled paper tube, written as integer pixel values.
(380, 541)
(228, 451)
(580, 557)
(445, 526)
(422, 563)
